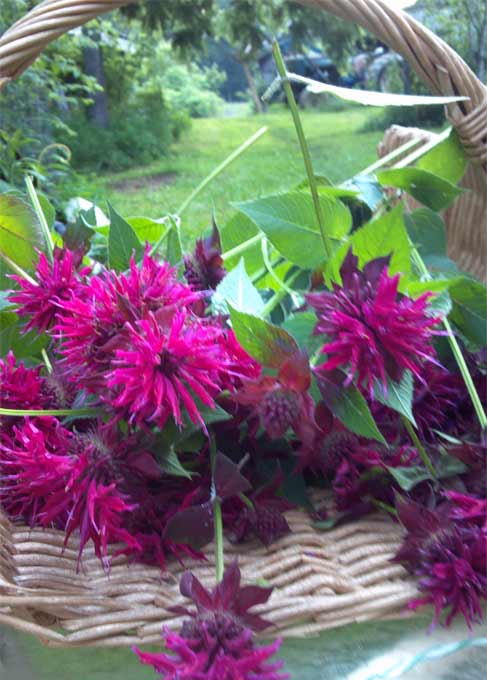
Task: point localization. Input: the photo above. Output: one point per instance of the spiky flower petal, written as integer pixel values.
(373, 331)
(449, 557)
(217, 642)
(56, 283)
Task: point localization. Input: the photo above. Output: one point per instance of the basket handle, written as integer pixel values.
(437, 64)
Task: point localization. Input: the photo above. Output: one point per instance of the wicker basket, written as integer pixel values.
(321, 580)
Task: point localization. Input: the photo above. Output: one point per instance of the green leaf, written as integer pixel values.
(446, 160)
(181, 437)
(20, 232)
(122, 242)
(368, 190)
(174, 252)
(469, 312)
(440, 305)
(171, 464)
(399, 395)
(361, 195)
(4, 301)
(441, 266)
(48, 209)
(409, 477)
(147, 229)
(79, 234)
(385, 235)
(11, 338)
(268, 344)
(417, 288)
(369, 98)
(430, 190)
(301, 326)
(236, 231)
(289, 222)
(426, 230)
(348, 405)
(237, 289)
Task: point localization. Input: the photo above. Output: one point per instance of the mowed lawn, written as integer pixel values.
(338, 148)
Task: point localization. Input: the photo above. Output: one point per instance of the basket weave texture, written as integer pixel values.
(322, 580)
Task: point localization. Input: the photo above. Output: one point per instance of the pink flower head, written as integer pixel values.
(151, 287)
(20, 387)
(263, 516)
(73, 481)
(217, 643)
(282, 401)
(449, 558)
(92, 325)
(237, 364)
(34, 465)
(373, 332)
(56, 283)
(163, 367)
(204, 269)
(436, 396)
(465, 507)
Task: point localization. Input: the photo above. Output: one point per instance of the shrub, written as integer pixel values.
(138, 133)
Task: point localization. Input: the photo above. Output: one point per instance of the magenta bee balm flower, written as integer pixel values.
(161, 368)
(217, 642)
(373, 331)
(203, 268)
(56, 283)
(449, 557)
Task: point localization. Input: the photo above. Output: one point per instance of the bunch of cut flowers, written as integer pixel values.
(154, 400)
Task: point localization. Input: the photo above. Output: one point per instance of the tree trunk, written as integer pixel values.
(259, 107)
(93, 66)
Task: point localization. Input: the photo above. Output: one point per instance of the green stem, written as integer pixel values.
(390, 156)
(270, 269)
(417, 153)
(281, 69)
(280, 295)
(455, 348)
(217, 518)
(247, 501)
(34, 199)
(384, 506)
(242, 247)
(419, 446)
(76, 412)
(424, 149)
(260, 273)
(46, 361)
(18, 270)
(233, 156)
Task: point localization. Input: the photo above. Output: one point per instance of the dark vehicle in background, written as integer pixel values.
(309, 62)
(373, 67)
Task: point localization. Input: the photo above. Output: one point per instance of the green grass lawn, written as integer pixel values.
(335, 654)
(273, 164)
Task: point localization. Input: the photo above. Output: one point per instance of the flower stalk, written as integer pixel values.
(217, 518)
(34, 199)
(420, 448)
(281, 69)
(279, 296)
(220, 168)
(455, 348)
(72, 412)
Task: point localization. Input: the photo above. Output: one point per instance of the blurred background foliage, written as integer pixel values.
(121, 92)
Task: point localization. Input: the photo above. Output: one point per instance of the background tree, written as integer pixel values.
(463, 24)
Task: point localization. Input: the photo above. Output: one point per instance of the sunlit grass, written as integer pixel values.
(338, 148)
